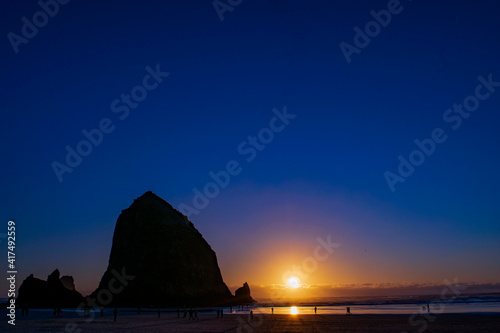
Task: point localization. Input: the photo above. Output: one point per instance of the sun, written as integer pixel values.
(293, 282)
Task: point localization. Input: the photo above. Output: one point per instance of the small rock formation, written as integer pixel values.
(242, 295)
(37, 293)
(158, 258)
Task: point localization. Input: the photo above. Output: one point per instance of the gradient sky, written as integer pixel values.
(323, 174)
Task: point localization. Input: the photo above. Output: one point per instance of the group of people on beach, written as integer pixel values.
(57, 312)
(193, 314)
(87, 310)
(220, 313)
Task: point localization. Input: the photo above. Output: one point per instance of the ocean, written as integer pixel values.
(471, 303)
(466, 303)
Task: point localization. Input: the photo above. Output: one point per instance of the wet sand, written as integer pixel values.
(148, 322)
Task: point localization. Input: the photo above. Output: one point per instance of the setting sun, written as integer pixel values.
(293, 282)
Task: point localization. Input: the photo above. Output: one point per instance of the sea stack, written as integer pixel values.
(55, 292)
(158, 258)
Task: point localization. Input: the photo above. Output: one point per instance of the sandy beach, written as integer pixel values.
(148, 322)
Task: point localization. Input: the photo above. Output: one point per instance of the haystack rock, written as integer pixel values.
(158, 258)
(38, 293)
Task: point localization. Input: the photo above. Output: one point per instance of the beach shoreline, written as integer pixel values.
(240, 322)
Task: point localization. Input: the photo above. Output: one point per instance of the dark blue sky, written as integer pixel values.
(353, 121)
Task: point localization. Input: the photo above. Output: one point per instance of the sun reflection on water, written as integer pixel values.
(293, 310)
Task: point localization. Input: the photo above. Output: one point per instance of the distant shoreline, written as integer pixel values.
(371, 300)
(435, 308)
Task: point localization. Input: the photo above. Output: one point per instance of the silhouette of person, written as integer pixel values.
(195, 314)
(102, 311)
(272, 310)
(191, 314)
(315, 310)
(348, 310)
(115, 314)
(185, 313)
(427, 307)
(251, 316)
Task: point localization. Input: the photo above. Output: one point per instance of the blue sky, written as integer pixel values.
(352, 122)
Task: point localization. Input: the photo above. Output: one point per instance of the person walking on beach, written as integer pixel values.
(251, 316)
(115, 314)
(427, 307)
(272, 310)
(348, 310)
(315, 310)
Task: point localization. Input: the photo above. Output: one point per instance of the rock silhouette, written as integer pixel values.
(68, 282)
(37, 293)
(242, 295)
(165, 261)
